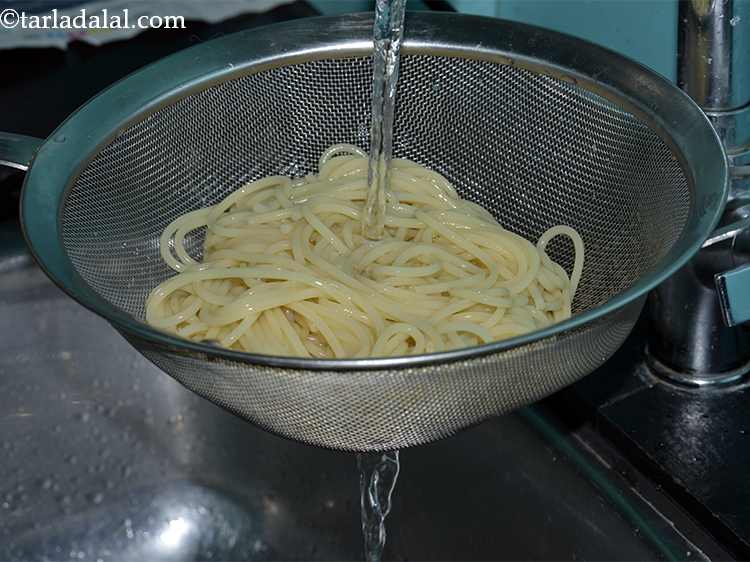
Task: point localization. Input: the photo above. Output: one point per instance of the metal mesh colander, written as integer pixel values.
(512, 133)
(531, 149)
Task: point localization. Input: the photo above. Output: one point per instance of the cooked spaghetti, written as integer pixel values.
(286, 270)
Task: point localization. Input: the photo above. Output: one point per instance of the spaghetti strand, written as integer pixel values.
(286, 270)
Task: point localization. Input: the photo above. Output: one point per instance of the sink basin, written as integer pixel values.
(104, 457)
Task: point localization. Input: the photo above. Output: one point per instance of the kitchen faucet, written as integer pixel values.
(696, 334)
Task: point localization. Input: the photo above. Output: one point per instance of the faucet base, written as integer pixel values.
(725, 379)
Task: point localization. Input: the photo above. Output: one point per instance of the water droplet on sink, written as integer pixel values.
(129, 529)
(97, 498)
(46, 484)
(72, 459)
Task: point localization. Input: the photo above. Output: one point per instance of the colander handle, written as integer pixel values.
(17, 151)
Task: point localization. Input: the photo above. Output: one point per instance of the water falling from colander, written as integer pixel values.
(378, 472)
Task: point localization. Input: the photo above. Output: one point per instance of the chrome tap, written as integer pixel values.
(698, 334)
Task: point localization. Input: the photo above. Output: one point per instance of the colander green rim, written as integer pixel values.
(649, 96)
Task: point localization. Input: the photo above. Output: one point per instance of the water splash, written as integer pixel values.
(387, 35)
(378, 473)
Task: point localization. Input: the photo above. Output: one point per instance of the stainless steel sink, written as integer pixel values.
(104, 457)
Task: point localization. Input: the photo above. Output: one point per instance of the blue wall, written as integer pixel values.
(332, 7)
(645, 30)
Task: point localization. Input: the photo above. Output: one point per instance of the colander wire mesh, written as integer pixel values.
(533, 150)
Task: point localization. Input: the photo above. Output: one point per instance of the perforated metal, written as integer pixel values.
(533, 150)
(391, 409)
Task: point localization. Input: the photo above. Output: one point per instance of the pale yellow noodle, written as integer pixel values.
(286, 270)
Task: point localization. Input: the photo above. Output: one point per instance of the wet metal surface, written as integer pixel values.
(104, 457)
(692, 441)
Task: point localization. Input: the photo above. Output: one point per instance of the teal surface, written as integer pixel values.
(736, 294)
(334, 7)
(645, 30)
